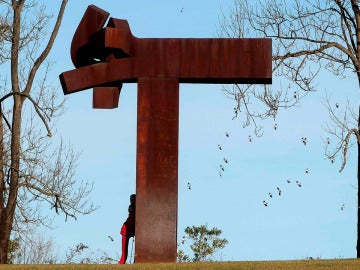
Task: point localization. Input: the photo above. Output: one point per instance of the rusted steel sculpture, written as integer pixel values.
(107, 57)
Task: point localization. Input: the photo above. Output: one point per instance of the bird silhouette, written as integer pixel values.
(304, 140)
(183, 240)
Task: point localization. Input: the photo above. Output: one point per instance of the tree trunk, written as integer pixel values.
(358, 208)
(2, 194)
(4, 240)
(7, 215)
(358, 195)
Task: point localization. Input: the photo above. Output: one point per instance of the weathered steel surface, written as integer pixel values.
(157, 169)
(80, 49)
(204, 60)
(188, 60)
(107, 57)
(106, 97)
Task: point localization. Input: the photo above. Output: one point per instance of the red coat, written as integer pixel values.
(128, 228)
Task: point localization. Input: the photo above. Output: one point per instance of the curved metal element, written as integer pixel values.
(92, 21)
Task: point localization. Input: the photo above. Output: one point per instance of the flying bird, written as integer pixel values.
(112, 239)
(298, 183)
(183, 240)
(304, 140)
(327, 140)
(219, 146)
(307, 170)
(289, 181)
(222, 167)
(342, 207)
(279, 191)
(227, 134)
(265, 203)
(189, 185)
(275, 126)
(236, 112)
(226, 160)
(270, 195)
(250, 139)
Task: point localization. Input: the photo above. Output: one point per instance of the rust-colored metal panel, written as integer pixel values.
(110, 73)
(205, 60)
(157, 170)
(107, 57)
(106, 97)
(245, 61)
(93, 20)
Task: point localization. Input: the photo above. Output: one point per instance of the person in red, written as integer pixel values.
(128, 229)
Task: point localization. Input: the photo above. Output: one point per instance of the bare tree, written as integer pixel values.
(33, 171)
(35, 248)
(254, 102)
(309, 36)
(77, 255)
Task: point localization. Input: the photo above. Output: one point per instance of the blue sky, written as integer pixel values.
(303, 222)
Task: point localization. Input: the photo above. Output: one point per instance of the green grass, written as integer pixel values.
(349, 264)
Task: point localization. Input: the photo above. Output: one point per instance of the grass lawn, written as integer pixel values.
(349, 264)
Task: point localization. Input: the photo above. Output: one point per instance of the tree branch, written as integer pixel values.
(36, 107)
(346, 145)
(47, 49)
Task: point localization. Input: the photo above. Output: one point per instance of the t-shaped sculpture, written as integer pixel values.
(107, 57)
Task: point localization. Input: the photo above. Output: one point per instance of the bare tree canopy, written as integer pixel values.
(310, 37)
(35, 174)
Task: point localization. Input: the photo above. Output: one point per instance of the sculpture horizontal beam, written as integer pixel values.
(115, 56)
(190, 61)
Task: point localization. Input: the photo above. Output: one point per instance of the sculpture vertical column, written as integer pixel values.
(157, 170)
